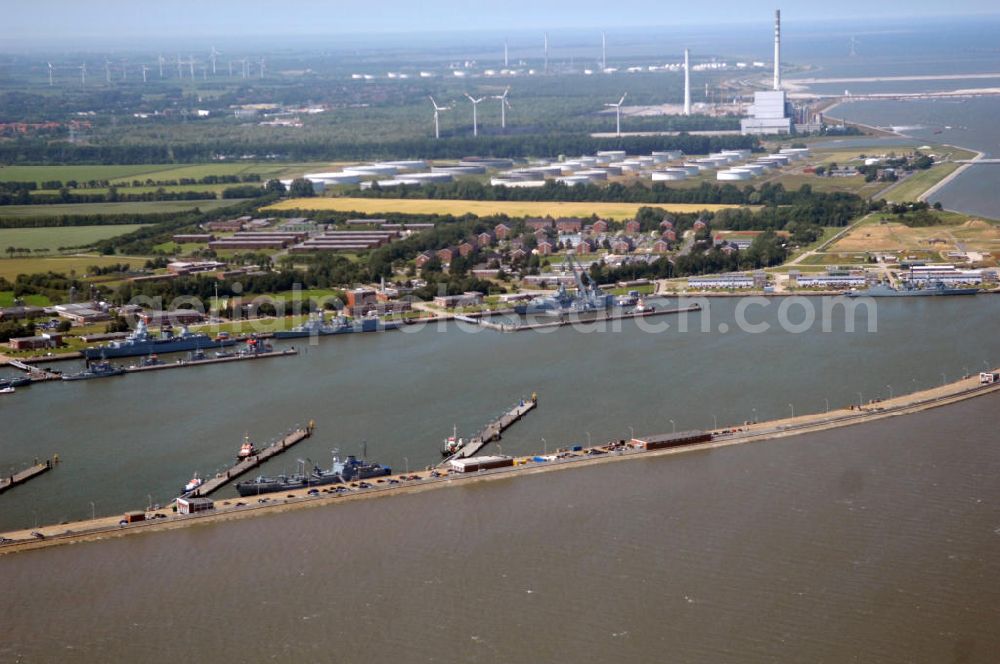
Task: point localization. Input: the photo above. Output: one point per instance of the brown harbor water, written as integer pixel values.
(128, 441)
(876, 543)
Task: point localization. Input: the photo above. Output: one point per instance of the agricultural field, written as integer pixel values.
(914, 186)
(127, 173)
(51, 238)
(11, 267)
(617, 211)
(142, 207)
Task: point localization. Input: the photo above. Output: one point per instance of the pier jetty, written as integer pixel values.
(251, 462)
(29, 473)
(180, 364)
(494, 430)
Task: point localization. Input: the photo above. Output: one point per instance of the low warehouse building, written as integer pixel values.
(475, 464)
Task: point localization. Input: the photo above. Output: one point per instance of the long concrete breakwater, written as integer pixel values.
(101, 528)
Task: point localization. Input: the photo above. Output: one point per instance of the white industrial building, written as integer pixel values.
(724, 281)
(946, 274)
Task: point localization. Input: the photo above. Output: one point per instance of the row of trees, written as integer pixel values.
(34, 151)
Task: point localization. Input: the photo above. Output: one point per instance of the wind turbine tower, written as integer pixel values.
(604, 52)
(145, 70)
(687, 82)
(777, 49)
(504, 105)
(83, 74)
(160, 61)
(475, 113)
(214, 54)
(618, 114)
(50, 72)
(506, 60)
(546, 53)
(437, 121)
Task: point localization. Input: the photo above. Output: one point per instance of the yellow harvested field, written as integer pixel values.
(974, 235)
(616, 211)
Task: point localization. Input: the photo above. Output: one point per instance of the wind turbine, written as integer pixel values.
(145, 70)
(160, 60)
(475, 115)
(213, 54)
(180, 72)
(107, 70)
(83, 74)
(546, 53)
(191, 65)
(50, 72)
(437, 111)
(604, 52)
(261, 67)
(506, 61)
(504, 105)
(618, 114)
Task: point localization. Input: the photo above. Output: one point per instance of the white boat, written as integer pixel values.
(642, 308)
(193, 484)
(7, 390)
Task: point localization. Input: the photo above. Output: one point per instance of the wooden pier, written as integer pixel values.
(252, 462)
(27, 474)
(210, 360)
(573, 319)
(494, 430)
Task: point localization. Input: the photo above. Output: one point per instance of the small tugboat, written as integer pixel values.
(247, 449)
(193, 484)
(642, 308)
(452, 443)
(151, 361)
(96, 370)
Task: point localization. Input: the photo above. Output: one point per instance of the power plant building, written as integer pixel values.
(769, 113)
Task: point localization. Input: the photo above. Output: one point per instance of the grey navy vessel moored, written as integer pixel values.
(349, 470)
(143, 342)
(885, 290)
(318, 326)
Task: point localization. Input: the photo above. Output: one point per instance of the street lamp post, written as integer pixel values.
(890, 390)
(407, 462)
(631, 431)
(792, 407)
(674, 425)
(944, 379)
(715, 421)
(755, 416)
(861, 400)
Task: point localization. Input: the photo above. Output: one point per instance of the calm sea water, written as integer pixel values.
(967, 123)
(128, 441)
(879, 543)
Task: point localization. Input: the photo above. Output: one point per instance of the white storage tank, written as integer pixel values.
(733, 175)
(670, 175)
(594, 174)
(668, 155)
(612, 154)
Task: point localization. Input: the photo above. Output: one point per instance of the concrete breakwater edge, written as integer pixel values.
(96, 529)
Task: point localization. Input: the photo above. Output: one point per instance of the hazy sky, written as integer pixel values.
(131, 19)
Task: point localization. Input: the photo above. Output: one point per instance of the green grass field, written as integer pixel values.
(52, 238)
(144, 207)
(11, 267)
(7, 300)
(912, 187)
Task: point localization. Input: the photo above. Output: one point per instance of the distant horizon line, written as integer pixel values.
(39, 41)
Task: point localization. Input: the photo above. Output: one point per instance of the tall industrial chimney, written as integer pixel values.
(777, 49)
(687, 82)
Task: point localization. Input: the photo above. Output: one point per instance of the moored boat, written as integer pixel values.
(349, 470)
